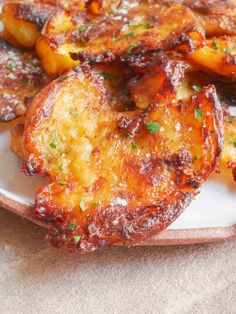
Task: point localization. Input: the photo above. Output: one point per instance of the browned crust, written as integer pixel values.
(166, 237)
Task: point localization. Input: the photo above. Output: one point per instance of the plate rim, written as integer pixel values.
(167, 237)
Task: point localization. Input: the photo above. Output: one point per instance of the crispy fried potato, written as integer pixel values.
(21, 77)
(219, 56)
(23, 22)
(218, 17)
(116, 36)
(116, 175)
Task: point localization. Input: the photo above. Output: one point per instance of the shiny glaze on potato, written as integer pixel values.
(116, 175)
(21, 77)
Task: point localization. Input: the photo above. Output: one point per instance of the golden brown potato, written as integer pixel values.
(218, 17)
(23, 22)
(116, 176)
(21, 77)
(219, 56)
(116, 36)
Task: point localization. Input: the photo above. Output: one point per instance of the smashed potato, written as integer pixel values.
(119, 35)
(21, 77)
(96, 154)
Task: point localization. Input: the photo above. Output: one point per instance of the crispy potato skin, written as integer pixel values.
(218, 17)
(21, 77)
(95, 155)
(116, 36)
(219, 56)
(23, 22)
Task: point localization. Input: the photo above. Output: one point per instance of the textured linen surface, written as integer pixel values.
(35, 278)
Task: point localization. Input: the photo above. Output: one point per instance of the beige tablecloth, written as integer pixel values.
(35, 278)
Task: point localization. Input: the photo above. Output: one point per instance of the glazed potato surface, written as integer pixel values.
(117, 174)
(21, 77)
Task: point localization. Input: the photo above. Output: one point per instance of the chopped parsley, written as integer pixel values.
(197, 88)
(129, 35)
(10, 65)
(74, 113)
(84, 27)
(71, 226)
(198, 114)
(127, 135)
(134, 145)
(230, 120)
(196, 157)
(132, 46)
(62, 182)
(53, 145)
(60, 167)
(216, 45)
(76, 239)
(153, 127)
(227, 50)
(115, 39)
(94, 204)
(54, 135)
(82, 206)
(63, 78)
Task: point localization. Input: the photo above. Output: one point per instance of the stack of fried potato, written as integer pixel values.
(127, 109)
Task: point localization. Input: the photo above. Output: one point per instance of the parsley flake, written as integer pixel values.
(62, 182)
(76, 239)
(53, 145)
(153, 127)
(10, 65)
(198, 114)
(131, 47)
(197, 88)
(83, 28)
(216, 45)
(63, 78)
(71, 226)
(227, 50)
(134, 145)
(196, 157)
(230, 120)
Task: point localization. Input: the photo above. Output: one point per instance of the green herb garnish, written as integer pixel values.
(153, 127)
(83, 28)
(71, 226)
(134, 145)
(76, 239)
(10, 65)
(197, 88)
(53, 145)
(131, 47)
(196, 157)
(62, 182)
(230, 120)
(198, 114)
(216, 45)
(63, 78)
